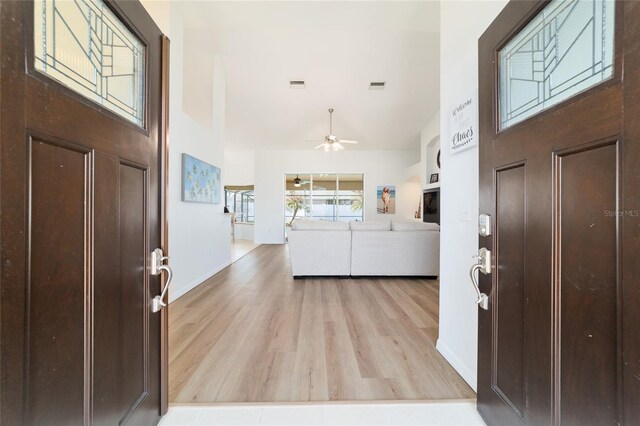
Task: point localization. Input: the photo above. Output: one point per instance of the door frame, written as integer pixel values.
(164, 217)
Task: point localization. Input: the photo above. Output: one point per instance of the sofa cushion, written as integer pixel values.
(319, 225)
(409, 225)
(371, 225)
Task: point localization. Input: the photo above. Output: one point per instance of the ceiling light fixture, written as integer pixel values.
(297, 182)
(377, 85)
(331, 142)
(297, 84)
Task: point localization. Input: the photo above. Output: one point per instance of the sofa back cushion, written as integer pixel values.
(319, 225)
(410, 225)
(371, 225)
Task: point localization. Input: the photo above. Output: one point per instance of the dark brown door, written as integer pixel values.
(80, 191)
(559, 343)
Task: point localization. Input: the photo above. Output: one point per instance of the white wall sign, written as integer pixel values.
(463, 125)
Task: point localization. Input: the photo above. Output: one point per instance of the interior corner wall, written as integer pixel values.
(462, 23)
(199, 234)
(378, 167)
(429, 151)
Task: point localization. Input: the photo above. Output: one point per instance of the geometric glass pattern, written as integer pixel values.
(83, 45)
(566, 49)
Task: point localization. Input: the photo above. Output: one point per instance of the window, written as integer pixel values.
(566, 49)
(239, 200)
(83, 45)
(324, 196)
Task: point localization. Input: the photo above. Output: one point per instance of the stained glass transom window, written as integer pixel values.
(566, 49)
(83, 45)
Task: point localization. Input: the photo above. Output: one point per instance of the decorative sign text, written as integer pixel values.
(463, 127)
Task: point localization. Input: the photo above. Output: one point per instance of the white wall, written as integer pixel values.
(239, 166)
(244, 231)
(199, 240)
(462, 23)
(197, 84)
(379, 168)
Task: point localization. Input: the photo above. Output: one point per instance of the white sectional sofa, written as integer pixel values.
(375, 248)
(320, 248)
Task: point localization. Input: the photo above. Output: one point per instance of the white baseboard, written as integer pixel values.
(469, 376)
(173, 296)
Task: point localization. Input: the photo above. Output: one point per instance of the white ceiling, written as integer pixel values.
(337, 48)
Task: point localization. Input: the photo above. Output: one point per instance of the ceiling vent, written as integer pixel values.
(296, 84)
(377, 85)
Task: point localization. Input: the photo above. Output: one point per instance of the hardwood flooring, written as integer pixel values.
(253, 334)
(239, 248)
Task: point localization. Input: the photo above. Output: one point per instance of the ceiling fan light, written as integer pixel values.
(297, 182)
(327, 147)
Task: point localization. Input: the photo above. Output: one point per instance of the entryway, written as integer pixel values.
(252, 333)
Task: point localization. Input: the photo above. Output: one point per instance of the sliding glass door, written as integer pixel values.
(324, 196)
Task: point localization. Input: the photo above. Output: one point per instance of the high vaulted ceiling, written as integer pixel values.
(338, 48)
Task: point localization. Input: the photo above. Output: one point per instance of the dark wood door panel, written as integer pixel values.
(122, 341)
(133, 339)
(582, 235)
(596, 118)
(106, 290)
(587, 285)
(58, 292)
(108, 135)
(78, 342)
(510, 287)
(630, 218)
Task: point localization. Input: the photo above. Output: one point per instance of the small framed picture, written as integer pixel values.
(434, 178)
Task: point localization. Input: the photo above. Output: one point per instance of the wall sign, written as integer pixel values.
(463, 125)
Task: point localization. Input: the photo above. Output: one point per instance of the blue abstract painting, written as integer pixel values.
(200, 181)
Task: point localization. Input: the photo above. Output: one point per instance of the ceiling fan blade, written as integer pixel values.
(347, 141)
(319, 146)
(315, 140)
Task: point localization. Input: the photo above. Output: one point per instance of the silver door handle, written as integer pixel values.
(483, 299)
(158, 302)
(157, 266)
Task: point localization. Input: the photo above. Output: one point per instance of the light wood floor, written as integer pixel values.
(253, 334)
(239, 248)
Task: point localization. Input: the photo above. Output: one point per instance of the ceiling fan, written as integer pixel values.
(331, 142)
(297, 182)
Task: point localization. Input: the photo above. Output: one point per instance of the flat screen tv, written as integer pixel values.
(431, 206)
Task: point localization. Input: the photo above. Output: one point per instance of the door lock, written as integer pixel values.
(483, 265)
(484, 225)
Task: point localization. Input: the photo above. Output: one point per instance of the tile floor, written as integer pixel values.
(415, 414)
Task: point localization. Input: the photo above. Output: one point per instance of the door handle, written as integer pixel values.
(484, 266)
(157, 266)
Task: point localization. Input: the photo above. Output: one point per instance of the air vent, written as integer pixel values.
(377, 85)
(296, 84)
